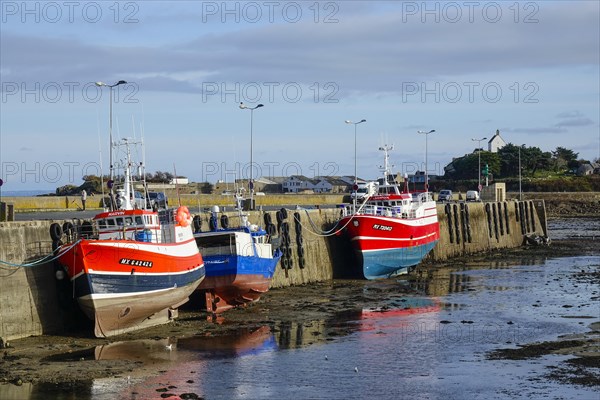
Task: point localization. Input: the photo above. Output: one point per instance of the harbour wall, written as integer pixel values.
(200, 201)
(32, 301)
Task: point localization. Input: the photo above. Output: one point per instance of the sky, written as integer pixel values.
(463, 69)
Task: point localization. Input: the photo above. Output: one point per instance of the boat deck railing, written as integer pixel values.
(394, 211)
(397, 211)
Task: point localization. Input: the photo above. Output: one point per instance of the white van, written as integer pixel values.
(472, 195)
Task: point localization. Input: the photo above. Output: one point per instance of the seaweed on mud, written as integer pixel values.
(533, 350)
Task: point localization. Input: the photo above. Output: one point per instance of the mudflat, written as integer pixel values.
(69, 359)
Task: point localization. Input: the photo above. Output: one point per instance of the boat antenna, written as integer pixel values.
(100, 151)
(176, 184)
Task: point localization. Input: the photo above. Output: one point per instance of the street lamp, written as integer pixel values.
(479, 164)
(520, 193)
(250, 182)
(426, 178)
(355, 173)
(110, 87)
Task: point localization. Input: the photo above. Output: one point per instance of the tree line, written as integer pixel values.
(505, 163)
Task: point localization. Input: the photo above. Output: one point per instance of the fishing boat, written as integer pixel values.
(131, 267)
(240, 261)
(393, 229)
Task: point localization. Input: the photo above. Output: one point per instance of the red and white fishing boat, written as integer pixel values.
(393, 229)
(131, 267)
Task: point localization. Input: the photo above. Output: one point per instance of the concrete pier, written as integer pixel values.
(33, 302)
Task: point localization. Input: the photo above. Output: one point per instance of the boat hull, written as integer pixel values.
(387, 246)
(126, 285)
(235, 280)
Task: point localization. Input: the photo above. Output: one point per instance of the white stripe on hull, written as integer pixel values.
(185, 249)
(91, 271)
(393, 239)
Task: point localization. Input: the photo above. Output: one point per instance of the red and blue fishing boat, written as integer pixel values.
(392, 230)
(130, 267)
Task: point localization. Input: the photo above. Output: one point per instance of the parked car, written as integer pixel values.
(445, 195)
(158, 200)
(472, 195)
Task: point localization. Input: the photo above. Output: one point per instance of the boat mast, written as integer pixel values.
(386, 166)
(110, 139)
(128, 185)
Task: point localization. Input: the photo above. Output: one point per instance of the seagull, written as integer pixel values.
(169, 347)
(355, 369)
(326, 357)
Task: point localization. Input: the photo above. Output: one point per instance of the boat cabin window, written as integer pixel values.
(138, 220)
(128, 221)
(101, 224)
(119, 221)
(110, 222)
(215, 241)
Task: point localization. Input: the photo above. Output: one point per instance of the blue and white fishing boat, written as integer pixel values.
(240, 261)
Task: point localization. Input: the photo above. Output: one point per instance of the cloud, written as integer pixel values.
(575, 122)
(569, 114)
(374, 51)
(535, 131)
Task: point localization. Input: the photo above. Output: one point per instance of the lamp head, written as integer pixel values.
(348, 121)
(243, 106)
(121, 82)
(100, 84)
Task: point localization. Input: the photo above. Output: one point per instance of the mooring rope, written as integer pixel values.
(333, 231)
(42, 260)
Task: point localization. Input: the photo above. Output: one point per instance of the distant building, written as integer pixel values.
(179, 181)
(319, 184)
(298, 183)
(585, 169)
(496, 142)
(333, 184)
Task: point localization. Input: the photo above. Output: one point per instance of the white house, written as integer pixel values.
(496, 142)
(298, 183)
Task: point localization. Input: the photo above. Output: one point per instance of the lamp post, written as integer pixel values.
(426, 178)
(479, 163)
(110, 87)
(250, 181)
(355, 173)
(520, 193)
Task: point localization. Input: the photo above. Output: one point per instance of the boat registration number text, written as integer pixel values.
(135, 263)
(382, 227)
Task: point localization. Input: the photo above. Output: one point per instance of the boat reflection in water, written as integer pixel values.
(406, 318)
(198, 364)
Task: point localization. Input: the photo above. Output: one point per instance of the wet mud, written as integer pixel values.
(71, 361)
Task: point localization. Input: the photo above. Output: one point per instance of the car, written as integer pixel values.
(136, 199)
(158, 200)
(472, 195)
(445, 195)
